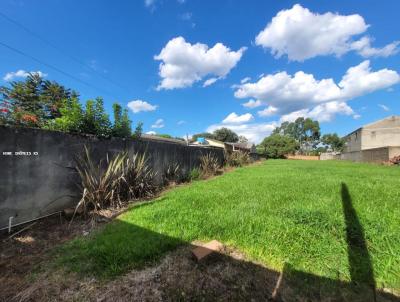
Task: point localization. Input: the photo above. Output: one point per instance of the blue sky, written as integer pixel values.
(265, 61)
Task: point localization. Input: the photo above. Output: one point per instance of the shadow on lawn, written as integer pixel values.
(124, 248)
(225, 276)
(361, 270)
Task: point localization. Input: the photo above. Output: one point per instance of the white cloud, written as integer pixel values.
(356, 116)
(322, 113)
(258, 131)
(233, 118)
(255, 132)
(139, 105)
(158, 124)
(245, 80)
(149, 3)
(384, 107)
(268, 111)
(359, 80)
(301, 34)
(301, 91)
(183, 64)
(289, 93)
(10, 76)
(364, 48)
(151, 132)
(181, 122)
(209, 82)
(252, 104)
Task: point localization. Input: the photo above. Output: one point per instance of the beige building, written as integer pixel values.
(210, 142)
(229, 147)
(375, 142)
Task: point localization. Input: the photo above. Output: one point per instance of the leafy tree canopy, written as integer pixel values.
(226, 135)
(122, 123)
(304, 130)
(36, 102)
(277, 146)
(138, 130)
(243, 139)
(32, 102)
(333, 142)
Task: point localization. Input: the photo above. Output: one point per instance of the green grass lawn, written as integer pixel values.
(326, 218)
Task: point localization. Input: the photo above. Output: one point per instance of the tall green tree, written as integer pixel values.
(311, 132)
(243, 139)
(71, 117)
(95, 119)
(333, 142)
(126, 124)
(225, 135)
(33, 99)
(122, 123)
(138, 130)
(278, 145)
(304, 130)
(53, 95)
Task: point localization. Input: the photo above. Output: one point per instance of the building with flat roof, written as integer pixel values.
(375, 142)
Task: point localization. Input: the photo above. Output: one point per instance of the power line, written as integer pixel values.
(52, 67)
(60, 50)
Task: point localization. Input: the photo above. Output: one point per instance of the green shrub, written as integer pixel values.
(194, 174)
(71, 119)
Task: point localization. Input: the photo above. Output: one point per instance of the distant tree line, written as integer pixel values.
(40, 103)
(302, 136)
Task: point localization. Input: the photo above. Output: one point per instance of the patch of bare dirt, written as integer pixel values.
(21, 253)
(225, 276)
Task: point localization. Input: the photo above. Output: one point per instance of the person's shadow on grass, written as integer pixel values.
(361, 269)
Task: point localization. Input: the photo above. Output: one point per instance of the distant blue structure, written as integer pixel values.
(201, 140)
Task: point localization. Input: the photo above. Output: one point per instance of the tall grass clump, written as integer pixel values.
(113, 182)
(237, 159)
(138, 178)
(175, 174)
(209, 165)
(100, 182)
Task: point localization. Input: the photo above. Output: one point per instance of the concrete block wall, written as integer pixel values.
(303, 157)
(37, 167)
(376, 155)
(329, 156)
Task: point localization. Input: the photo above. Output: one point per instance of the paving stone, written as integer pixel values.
(205, 250)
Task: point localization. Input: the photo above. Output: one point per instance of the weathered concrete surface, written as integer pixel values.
(376, 155)
(329, 156)
(383, 133)
(32, 186)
